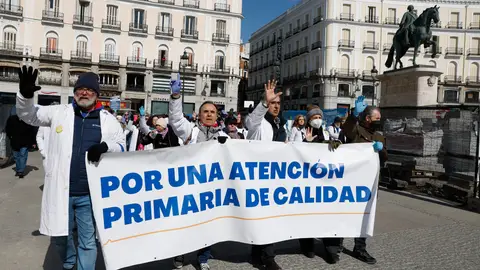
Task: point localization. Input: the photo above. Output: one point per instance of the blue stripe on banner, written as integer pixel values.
(121, 146)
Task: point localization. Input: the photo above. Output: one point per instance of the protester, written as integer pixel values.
(334, 129)
(205, 129)
(232, 130)
(298, 129)
(362, 126)
(22, 137)
(162, 137)
(78, 128)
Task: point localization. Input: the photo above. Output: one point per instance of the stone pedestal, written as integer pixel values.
(411, 86)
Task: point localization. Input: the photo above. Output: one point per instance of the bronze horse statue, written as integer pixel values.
(422, 34)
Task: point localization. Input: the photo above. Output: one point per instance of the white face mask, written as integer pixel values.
(316, 123)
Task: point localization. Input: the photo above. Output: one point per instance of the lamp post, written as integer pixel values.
(374, 72)
(183, 63)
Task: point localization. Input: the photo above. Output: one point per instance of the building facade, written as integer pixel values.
(135, 47)
(244, 66)
(324, 51)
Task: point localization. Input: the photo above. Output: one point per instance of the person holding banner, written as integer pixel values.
(76, 129)
(205, 129)
(334, 129)
(298, 129)
(362, 126)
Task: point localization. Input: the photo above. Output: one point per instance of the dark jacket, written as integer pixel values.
(159, 142)
(279, 132)
(319, 133)
(20, 133)
(355, 133)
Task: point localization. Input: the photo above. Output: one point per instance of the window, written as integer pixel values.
(343, 90)
(191, 56)
(138, 18)
(369, 64)
(81, 46)
(137, 51)
(83, 11)
(347, 9)
(319, 11)
(220, 60)
(307, 18)
(370, 36)
(306, 41)
(371, 14)
(298, 44)
(316, 90)
(296, 68)
(190, 25)
(290, 27)
(110, 49)
(218, 88)
(221, 27)
(289, 48)
(159, 107)
(346, 34)
(453, 43)
(298, 23)
(317, 62)
(163, 55)
(392, 15)
(318, 35)
(474, 71)
(450, 96)
(9, 37)
(345, 62)
(305, 66)
(52, 43)
(476, 44)
(452, 69)
(112, 15)
(471, 97)
(165, 21)
(367, 91)
(455, 17)
(108, 79)
(288, 71)
(52, 5)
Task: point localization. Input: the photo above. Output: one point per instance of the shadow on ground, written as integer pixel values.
(28, 169)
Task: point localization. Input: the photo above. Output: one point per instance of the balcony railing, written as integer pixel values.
(136, 61)
(135, 88)
(287, 56)
(190, 34)
(317, 19)
(111, 24)
(52, 16)
(436, 25)
(296, 30)
(371, 45)
(9, 77)
(222, 7)
(272, 42)
(473, 80)
(452, 79)
(191, 67)
(217, 94)
(49, 81)
(371, 19)
(11, 49)
(455, 25)
(191, 3)
(387, 46)
(163, 64)
(51, 53)
(347, 17)
(475, 25)
(221, 37)
(473, 52)
(7, 9)
(80, 56)
(109, 59)
(167, 2)
(367, 75)
(219, 69)
(80, 20)
(454, 51)
(295, 53)
(288, 34)
(316, 45)
(392, 20)
(303, 50)
(305, 25)
(430, 50)
(345, 43)
(109, 87)
(138, 28)
(345, 72)
(164, 31)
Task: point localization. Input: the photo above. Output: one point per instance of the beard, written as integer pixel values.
(85, 103)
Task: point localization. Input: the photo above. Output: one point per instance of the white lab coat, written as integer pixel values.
(55, 199)
(183, 128)
(333, 132)
(258, 127)
(43, 135)
(297, 135)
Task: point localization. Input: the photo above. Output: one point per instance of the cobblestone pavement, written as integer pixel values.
(410, 234)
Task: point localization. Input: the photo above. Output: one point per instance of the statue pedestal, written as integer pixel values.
(411, 86)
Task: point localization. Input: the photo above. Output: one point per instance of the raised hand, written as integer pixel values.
(360, 105)
(28, 77)
(270, 94)
(309, 135)
(141, 111)
(377, 146)
(176, 85)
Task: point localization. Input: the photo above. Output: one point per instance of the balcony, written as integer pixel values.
(347, 17)
(346, 73)
(288, 34)
(272, 42)
(303, 50)
(473, 52)
(287, 56)
(84, 22)
(138, 29)
(50, 80)
(192, 67)
(189, 34)
(109, 59)
(135, 88)
(455, 25)
(219, 69)
(345, 43)
(161, 31)
(167, 2)
(454, 51)
(133, 61)
(111, 25)
(430, 50)
(9, 77)
(52, 16)
(11, 49)
(80, 56)
(367, 75)
(51, 53)
(191, 3)
(344, 93)
(392, 21)
(386, 47)
(373, 46)
(109, 87)
(475, 25)
(317, 19)
(451, 79)
(296, 30)
(473, 80)
(295, 53)
(163, 64)
(316, 45)
(436, 25)
(305, 25)
(11, 10)
(371, 19)
(221, 37)
(222, 7)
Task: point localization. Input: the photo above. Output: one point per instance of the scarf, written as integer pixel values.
(164, 132)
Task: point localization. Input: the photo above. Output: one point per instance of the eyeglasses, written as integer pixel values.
(85, 90)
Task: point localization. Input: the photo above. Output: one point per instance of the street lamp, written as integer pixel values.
(183, 63)
(374, 72)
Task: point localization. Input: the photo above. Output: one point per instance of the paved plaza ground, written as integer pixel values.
(410, 233)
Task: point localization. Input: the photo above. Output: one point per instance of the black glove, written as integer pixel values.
(96, 150)
(333, 144)
(27, 81)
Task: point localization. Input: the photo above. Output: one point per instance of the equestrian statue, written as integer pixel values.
(413, 32)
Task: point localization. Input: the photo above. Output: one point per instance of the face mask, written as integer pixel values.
(376, 126)
(316, 123)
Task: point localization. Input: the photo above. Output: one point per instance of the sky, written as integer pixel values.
(257, 13)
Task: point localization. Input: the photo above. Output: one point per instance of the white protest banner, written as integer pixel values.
(153, 205)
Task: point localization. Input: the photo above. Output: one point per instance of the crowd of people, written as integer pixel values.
(70, 131)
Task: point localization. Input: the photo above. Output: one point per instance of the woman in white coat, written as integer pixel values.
(59, 206)
(298, 129)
